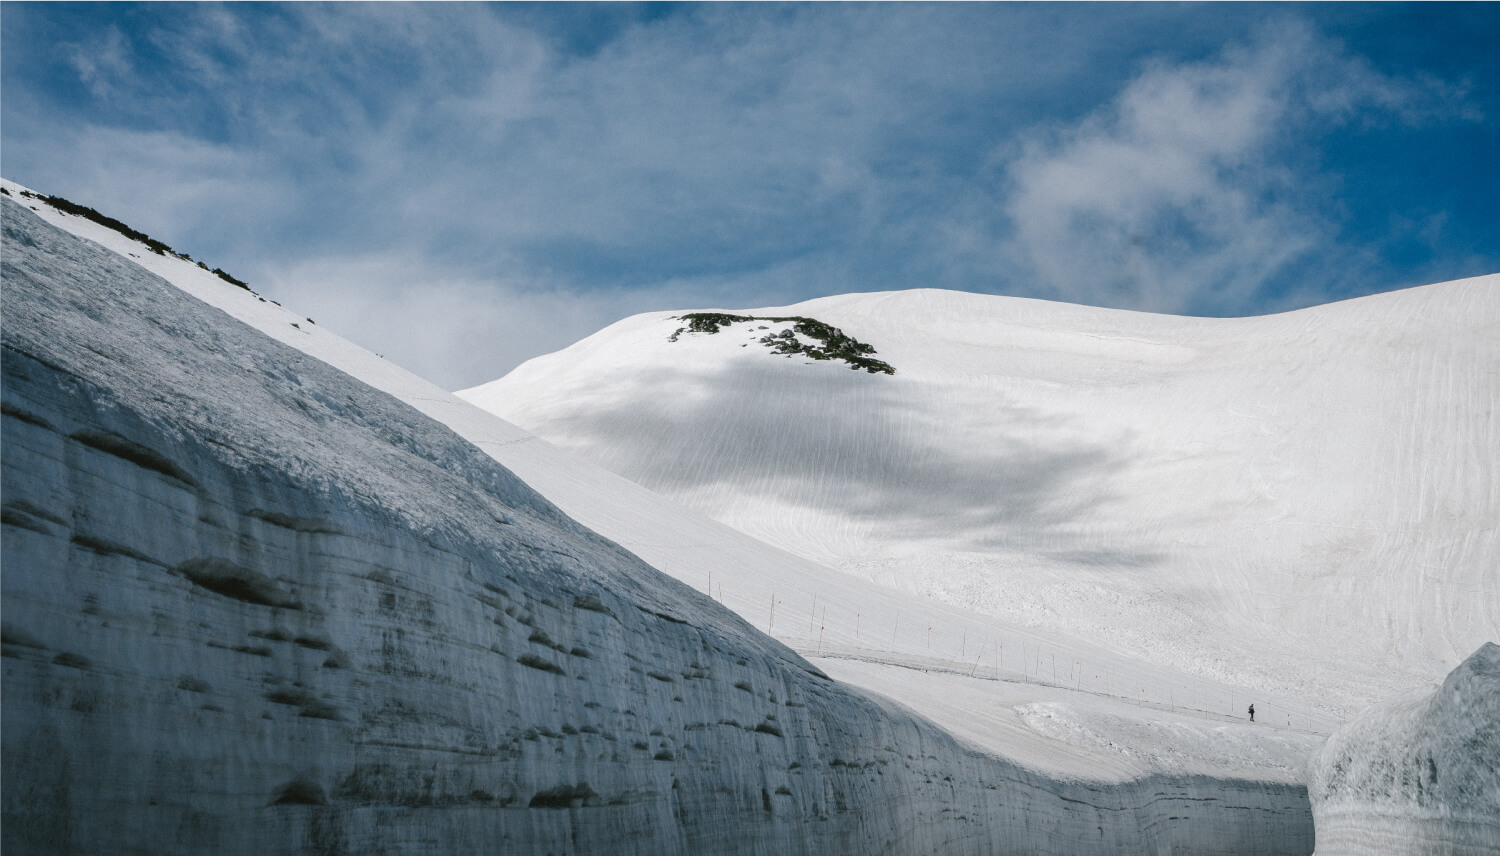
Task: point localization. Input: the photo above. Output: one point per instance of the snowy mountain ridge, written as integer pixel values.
(252, 606)
(1102, 694)
(251, 602)
(1306, 500)
(1023, 710)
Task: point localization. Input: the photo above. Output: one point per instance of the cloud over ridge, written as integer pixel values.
(1173, 198)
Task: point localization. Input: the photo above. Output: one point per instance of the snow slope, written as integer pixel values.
(822, 613)
(1419, 775)
(1305, 502)
(254, 605)
(1060, 708)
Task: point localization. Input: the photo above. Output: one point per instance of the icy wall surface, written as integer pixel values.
(254, 606)
(1420, 775)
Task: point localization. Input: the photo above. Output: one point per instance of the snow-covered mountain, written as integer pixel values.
(1078, 732)
(1305, 502)
(846, 619)
(257, 598)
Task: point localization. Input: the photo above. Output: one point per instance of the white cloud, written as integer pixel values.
(455, 328)
(102, 62)
(451, 163)
(201, 197)
(1182, 195)
(460, 328)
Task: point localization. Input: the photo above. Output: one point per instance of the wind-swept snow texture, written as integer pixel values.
(1420, 775)
(252, 605)
(1304, 502)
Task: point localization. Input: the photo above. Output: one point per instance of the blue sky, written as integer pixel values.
(463, 186)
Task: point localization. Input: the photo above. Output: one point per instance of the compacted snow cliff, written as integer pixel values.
(253, 605)
(1419, 775)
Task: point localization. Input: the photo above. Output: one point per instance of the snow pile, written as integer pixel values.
(1420, 775)
(252, 605)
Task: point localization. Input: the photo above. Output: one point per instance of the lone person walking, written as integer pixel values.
(1252, 713)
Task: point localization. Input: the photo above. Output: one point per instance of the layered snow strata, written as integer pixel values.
(1419, 775)
(252, 605)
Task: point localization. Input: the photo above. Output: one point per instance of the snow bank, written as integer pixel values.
(1419, 775)
(252, 605)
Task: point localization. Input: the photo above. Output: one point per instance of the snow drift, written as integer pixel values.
(252, 605)
(1419, 775)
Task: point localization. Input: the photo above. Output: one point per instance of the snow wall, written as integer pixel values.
(1419, 775)
(254, 606)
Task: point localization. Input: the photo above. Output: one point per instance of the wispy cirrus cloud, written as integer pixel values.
(1185, 195)
(102, 62)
